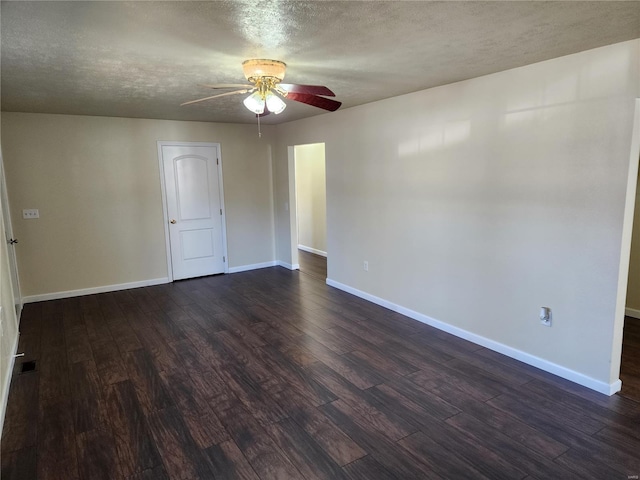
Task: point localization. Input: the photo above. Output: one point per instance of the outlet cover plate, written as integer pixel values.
(30, 213)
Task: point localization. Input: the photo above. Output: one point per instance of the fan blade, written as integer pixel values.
(214, 96)
(227, 85)
(310, 89)
(320, 102)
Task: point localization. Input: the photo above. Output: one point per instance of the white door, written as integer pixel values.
(194, 208)
(11, 243)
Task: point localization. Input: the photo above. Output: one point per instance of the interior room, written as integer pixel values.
(462, 177)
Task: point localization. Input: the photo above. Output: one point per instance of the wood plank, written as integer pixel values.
(96, 455)
(54, 377)
(364, 405)
(513, 427)
(476, 389)
(18, 436)
(358, 374)
(387, 453)
(19, 465)
(156, 473)
(367, 468)
(266, 458)
(581, 444)
(303, 451)
(556, 412)
(509, 450)
(180, 455)
(109, 361)
(312, 264)
(56, 442)
(250, 394)
(147, 382)
(22, 404)
(124, 336)
(580, 405)
(88, 405)
(77, 342)
(291, 376)
(96, 325)
(335, 442)
(624, 438)
(445, 462)
(134, 448)
(202, 423)
(227, 462)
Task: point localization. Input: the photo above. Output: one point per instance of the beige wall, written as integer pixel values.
(96, 182)
(311, 198)
(477, 203)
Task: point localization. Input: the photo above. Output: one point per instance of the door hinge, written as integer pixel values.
(217, 161)
(224, 259)
(220, 211)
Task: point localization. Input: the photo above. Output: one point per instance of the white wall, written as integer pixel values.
(96, 182)
(311, 197)
(477, 203)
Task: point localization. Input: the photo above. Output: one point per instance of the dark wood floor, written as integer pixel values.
(630, 365)
(271, 374)
(312, 264)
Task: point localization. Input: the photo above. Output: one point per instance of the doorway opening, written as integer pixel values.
(311, 209)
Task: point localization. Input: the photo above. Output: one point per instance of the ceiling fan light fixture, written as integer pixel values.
(258, 67)
(255, 103)
(274, 103)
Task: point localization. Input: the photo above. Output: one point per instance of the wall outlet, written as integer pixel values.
(365, 265)
(545, 316)
(30, 213)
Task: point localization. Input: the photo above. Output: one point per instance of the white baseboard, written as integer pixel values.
(559, 370)
(7, 383)
(91, 291)
(255, 266)
(295, 266)
(632, 312)
(312, 250)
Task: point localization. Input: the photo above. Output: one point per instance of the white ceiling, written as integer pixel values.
(143, 59)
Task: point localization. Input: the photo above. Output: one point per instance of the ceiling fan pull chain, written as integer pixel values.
(259, 132)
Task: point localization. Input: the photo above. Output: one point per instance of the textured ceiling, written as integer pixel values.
(142, 59)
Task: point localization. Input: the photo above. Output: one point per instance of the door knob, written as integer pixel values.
(173, 221)
(13, 241)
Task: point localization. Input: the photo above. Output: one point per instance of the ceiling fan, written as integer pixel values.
(265, 77)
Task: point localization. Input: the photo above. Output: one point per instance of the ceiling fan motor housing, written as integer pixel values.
(256, 69)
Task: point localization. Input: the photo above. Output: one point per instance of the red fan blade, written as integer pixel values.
(320, 102)
(309, 89)
(214, 96)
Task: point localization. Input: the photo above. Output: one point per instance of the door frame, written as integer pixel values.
(165, 215)
(293, 205)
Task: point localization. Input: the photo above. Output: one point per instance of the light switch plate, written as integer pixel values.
(30, 213)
